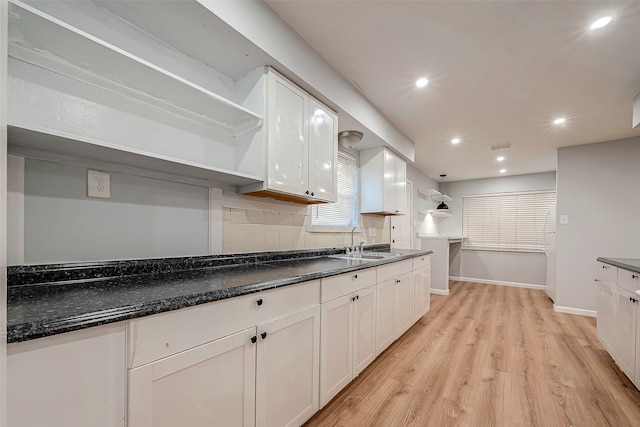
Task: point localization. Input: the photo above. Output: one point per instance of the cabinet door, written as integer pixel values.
(336, 318)
(287, 154)
(389, 182)
(626, 328)
(76, 379)
(402, 301)
(385, 316)
(364, 327)
(637, 379)
(606, 318)
(212, 384)
(287, 371)
(400, 174)
(421, 293)
(323, 152)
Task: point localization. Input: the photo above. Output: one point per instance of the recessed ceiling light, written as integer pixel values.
(455, 140)
(500, 158)
(422, 82)
(601, 22)
(503, 170)
(559, 121)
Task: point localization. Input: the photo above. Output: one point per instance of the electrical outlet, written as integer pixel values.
(564, 219)
(98, 184)
(372, 232)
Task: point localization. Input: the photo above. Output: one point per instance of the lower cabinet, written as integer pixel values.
(394, 303)
(606, 327)
(618, 322)
(421, 287)
(212, 384)
(347, 332)
(75, 379)
(287, 371)
(625, 355)
(246, 361)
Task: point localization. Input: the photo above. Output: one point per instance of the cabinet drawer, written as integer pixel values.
(629, 280)
(607, 272)
(389, 271)
(337, 286)
(155, 337)
(421, 261)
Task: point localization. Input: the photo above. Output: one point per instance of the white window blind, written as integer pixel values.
(343, 212)
(508, 221)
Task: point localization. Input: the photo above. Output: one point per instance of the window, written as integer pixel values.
(508, 221)
(343, 213)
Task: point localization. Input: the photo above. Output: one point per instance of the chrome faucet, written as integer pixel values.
(352, 248)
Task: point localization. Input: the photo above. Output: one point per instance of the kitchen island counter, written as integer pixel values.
(631, 264)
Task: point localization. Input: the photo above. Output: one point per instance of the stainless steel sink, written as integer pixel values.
(372, 256)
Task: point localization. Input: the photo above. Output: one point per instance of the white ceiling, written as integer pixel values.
(498, 70)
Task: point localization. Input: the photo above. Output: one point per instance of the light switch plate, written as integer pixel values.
(564, 219)
(98, 184)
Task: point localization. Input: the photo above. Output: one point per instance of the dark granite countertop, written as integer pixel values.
(631, 264)
(44, 300)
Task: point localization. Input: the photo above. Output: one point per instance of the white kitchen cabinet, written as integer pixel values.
(302, 146)
(625, 355)
(394, 302)
(72, 379)
(287, 369)
(421, 287)
(607, 299)
(255, 363)
(347, 332)
(212, 384)
(383, 177)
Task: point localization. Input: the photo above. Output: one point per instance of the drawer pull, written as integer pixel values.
(605, 266)
(398, 281)
(634, 276)
(355, 277)
(254, 339)
(259, 302)
(353, 298)
(263, 335)
(357, 296)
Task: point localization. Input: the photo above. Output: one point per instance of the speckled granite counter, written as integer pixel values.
(45, 300)
(631, 264)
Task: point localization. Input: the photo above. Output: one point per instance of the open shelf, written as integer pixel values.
(434, 194)
(47, 42)
(23, 140)
(434, 213)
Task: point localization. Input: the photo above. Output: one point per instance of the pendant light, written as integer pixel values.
(442, 207)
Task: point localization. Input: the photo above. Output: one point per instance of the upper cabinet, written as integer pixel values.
(301, 146)
(383, 177)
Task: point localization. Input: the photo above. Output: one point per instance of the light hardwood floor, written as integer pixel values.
(490, 355)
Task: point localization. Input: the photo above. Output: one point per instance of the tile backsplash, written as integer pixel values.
(248, 230)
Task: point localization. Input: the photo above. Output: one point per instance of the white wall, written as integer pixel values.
(144, 217)
(598, 190)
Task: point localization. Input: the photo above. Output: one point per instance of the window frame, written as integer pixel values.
(505, 238)
(313, 211)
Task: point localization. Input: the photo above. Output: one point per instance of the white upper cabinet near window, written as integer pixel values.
(383, 177)
(302, 146)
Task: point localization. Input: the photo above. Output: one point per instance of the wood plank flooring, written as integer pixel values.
(490, 355)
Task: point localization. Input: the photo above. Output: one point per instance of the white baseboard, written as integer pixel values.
(497, 282)
(578, 311)
(440, 291)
